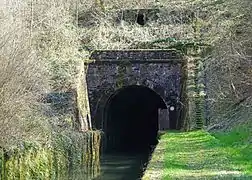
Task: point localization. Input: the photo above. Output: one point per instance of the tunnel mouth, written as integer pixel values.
(131, 120)
(141, 19)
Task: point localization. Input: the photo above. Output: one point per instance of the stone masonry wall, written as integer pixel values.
(160, 71)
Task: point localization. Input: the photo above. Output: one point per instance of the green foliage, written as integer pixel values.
(68, 151)
(237, 136)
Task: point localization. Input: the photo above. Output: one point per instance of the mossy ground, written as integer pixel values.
(201, 155)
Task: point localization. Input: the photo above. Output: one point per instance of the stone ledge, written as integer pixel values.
(147, 61)
(136, 55)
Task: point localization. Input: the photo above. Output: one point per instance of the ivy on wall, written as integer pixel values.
(122, 73)
(194, 52)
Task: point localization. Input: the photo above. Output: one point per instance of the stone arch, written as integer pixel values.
(109, 91)
(132, 109)
(160, 70)
(159, 93)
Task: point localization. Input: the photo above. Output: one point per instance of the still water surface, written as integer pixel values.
(114, 166)
(122, 166)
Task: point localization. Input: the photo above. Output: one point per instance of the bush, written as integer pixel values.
(38, 54)
(22, 76)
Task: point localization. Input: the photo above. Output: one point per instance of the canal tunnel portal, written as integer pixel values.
(131, 118)
(133, 94)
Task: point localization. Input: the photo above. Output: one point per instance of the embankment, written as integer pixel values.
(68, 152)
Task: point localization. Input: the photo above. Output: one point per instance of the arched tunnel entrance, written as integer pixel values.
(131, 119)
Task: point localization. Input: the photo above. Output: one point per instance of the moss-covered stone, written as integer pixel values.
(82, 101)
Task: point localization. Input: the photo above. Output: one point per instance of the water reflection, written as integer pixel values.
(122, 166)
(114, 166)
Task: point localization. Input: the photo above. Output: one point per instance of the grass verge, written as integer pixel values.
(201, 155)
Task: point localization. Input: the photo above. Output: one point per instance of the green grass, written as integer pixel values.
(201, 155)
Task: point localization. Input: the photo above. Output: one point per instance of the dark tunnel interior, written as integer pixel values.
(141, 19)
(131, 122)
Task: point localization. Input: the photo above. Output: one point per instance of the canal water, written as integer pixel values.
(122, 166)
(113, 166)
